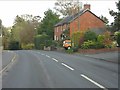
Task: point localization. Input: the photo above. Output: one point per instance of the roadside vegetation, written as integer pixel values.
(32, 32)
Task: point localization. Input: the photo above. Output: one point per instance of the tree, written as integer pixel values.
(89, 35)
(5, 37)
(116, 24)
(67, 7)
(104, 19)
(24, 29)
(40, 41)
(48, 22)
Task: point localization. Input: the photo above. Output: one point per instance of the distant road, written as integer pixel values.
(49, 69)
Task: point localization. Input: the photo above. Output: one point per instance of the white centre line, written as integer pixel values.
(67, 66)
(47, 56)
(93, 82)
(55, 59)
(42, 54)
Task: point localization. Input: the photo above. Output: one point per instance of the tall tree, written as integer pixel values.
(48, 22)
(104, 19)
(24, 28)
(5, 37)
(68, 7)
(116, 15)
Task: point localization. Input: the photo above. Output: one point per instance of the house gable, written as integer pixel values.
(84, 21)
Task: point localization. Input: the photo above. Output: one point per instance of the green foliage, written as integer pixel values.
(23, 29)
(116, 24)
(118, 39)
(89, 35)
(48, 22)
(107, 40)
(14, 45)
(41, 46)
(28, 46)
(77, 38)
(69, 51)
(41, 41)
(92, 45)
(75, 49)
(100, 38)
(104, 19)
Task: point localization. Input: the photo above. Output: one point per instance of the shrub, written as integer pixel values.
(28, 46)
(77, 38)
(89, 35)
(100, 38)
(75, 49)
(14, 45)
(92, 45)
(107, 40)
(118, 39)
(69, 51)
(41, 46)
(41, 40)
(88, 44)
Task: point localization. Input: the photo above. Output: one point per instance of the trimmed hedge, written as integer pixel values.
(14, 45)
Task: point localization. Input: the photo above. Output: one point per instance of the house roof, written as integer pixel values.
(70, 18)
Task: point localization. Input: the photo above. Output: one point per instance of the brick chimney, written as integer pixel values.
(87, 6)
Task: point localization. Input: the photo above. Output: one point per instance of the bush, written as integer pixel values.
(69, 51)
(14, 45)
(107, 40)
(118, 39)
(89, 35)
(28, 46)
(77, 38)
(41, 40)
(75, 49)
(92, 45)
(41, 47)
(100, 38)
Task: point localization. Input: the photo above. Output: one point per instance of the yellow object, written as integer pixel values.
(67, 44)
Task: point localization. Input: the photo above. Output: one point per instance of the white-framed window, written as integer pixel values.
(54, 37)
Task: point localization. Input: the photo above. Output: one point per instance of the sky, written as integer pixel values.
(10, 8)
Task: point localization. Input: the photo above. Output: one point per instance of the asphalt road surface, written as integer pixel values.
(49, 69)
(7, 57)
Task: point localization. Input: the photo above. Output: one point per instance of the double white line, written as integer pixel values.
(8, 64)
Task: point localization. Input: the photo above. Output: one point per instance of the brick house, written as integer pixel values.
(81, 21)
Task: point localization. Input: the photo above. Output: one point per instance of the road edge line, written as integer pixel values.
(1, 71)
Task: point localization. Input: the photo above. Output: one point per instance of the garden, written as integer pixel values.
(90, 42)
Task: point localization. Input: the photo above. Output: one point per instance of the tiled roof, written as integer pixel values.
(70, 18)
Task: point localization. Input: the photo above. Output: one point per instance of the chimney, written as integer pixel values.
(86, 6)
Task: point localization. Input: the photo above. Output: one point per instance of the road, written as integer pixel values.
(50, 69)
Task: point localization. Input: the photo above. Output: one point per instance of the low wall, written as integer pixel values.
(93, 51)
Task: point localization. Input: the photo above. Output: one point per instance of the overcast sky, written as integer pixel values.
(9, 9)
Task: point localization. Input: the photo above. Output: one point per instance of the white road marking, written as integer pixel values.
(8, 64)
(93, 82)
(47, 56)
(42, 54)
(67, 66)
(55, 59)
(13, 58)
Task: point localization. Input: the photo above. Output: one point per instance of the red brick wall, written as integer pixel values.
(58, 30)
(86, 21)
